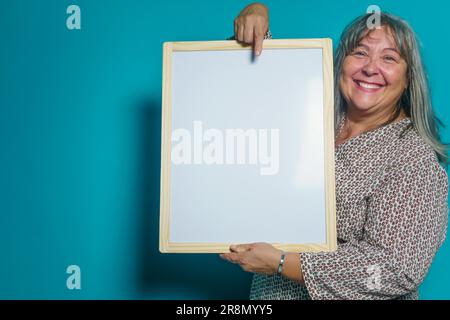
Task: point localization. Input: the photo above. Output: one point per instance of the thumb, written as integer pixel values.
(239, 248)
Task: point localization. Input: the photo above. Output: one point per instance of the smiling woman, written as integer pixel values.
(372, 81)
(388, 57)
(391, 191)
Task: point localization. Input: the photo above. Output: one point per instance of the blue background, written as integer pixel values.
(80, 136)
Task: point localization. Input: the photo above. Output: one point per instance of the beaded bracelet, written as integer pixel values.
(280, 265)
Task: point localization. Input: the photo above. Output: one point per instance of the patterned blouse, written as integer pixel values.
(391, 208)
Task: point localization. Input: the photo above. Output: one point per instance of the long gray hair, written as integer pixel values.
(416, 100)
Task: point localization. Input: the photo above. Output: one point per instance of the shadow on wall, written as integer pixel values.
(173, 276)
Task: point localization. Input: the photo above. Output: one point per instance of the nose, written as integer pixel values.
(370, 68)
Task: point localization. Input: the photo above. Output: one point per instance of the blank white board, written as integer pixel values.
(247, 146)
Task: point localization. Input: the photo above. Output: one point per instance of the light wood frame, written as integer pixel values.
(328, 84)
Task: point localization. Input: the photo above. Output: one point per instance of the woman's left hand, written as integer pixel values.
(255, 257)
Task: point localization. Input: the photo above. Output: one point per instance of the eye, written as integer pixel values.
(390, 58)
(360, 53)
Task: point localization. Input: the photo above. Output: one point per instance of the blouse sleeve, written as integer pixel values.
(406, 224)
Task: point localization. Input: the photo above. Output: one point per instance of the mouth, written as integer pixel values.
(368, 86)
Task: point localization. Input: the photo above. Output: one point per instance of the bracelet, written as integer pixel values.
(280, 265)
(268, 35)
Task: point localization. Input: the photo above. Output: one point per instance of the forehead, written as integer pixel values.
(382, 37)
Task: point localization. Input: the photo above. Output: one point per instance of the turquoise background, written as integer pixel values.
(80, 136)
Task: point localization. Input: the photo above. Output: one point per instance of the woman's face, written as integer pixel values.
(374, 74)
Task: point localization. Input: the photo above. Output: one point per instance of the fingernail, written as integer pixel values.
(257, 52)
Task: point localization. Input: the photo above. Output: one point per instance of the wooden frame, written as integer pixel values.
(328, 117)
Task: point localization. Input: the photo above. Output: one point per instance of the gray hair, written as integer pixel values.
(416, 100)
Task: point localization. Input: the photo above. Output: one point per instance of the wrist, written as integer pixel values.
(292, 267)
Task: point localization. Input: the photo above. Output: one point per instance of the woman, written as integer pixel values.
(391, 192)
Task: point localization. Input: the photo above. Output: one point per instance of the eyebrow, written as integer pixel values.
(367, 47)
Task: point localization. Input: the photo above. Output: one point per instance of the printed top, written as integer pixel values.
(391, 212)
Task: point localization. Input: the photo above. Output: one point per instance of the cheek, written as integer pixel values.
(349, 68)
(346, 75)
(396, 77)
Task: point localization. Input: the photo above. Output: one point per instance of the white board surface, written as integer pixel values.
(277, 99)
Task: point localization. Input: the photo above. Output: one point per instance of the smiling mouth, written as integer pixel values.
(368, 86)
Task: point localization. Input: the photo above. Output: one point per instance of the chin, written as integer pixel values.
(362, 105)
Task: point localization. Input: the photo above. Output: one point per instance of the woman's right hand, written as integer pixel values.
(251, 25)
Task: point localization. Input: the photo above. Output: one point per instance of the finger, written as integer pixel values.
(248, 34)
(224, 256)
(231, 257)
(240, 32)
(246, 268)
(259, 38)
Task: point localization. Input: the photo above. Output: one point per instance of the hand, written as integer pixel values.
(255, 257)
(251, 25)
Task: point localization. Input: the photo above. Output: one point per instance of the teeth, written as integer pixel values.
(368, 86)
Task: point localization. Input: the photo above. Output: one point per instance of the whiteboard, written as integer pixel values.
(247, 146)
